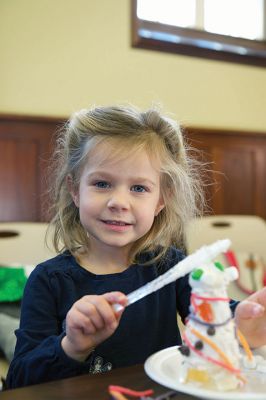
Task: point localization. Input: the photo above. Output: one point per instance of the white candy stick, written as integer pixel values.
(204, 255)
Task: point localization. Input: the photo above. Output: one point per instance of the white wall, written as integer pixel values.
(58, 56)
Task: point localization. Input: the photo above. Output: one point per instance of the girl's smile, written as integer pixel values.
(117, 226)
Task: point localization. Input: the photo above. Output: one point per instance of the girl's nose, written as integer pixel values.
(118, 201)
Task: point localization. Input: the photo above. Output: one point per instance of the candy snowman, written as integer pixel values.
(210, 353)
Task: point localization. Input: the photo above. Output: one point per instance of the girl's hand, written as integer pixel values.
(89, 322)
(250, 316)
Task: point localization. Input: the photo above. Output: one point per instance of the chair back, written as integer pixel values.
(247, 232)
(248, 251)
(23, 243)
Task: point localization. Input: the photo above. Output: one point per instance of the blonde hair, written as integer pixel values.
(130, 129)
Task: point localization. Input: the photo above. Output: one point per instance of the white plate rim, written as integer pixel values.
(152, 368)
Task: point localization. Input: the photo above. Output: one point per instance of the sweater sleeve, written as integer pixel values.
(39, 356)
(183, 289)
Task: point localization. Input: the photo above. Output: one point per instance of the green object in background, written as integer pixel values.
(12, 283)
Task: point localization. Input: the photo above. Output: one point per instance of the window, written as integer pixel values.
(229, 30)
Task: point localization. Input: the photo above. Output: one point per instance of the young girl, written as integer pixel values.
(124, 189)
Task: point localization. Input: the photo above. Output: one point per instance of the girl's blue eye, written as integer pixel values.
(139, 189)
(102, 184)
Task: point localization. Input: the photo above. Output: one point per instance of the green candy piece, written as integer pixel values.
(219, 265)
(196, 274)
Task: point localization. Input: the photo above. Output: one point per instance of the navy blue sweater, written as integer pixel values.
(145, 327)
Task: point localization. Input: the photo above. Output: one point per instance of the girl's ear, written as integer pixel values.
(159, 207)
(74, 192)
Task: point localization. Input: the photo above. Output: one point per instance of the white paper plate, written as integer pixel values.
(164, 366)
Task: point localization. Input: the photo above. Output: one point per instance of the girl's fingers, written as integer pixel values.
(116, 297)
(100, 310)
(78, 321)
(249, 309)
(103, 310)
(92, 313)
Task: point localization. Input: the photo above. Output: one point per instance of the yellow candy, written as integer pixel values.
(197, 375)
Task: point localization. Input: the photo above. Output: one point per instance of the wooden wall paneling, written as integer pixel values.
(238, 160)
(239, 186)
(18, 183)
(261, 181)
(25, 148)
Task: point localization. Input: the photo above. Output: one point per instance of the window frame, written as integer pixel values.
(194, 42)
